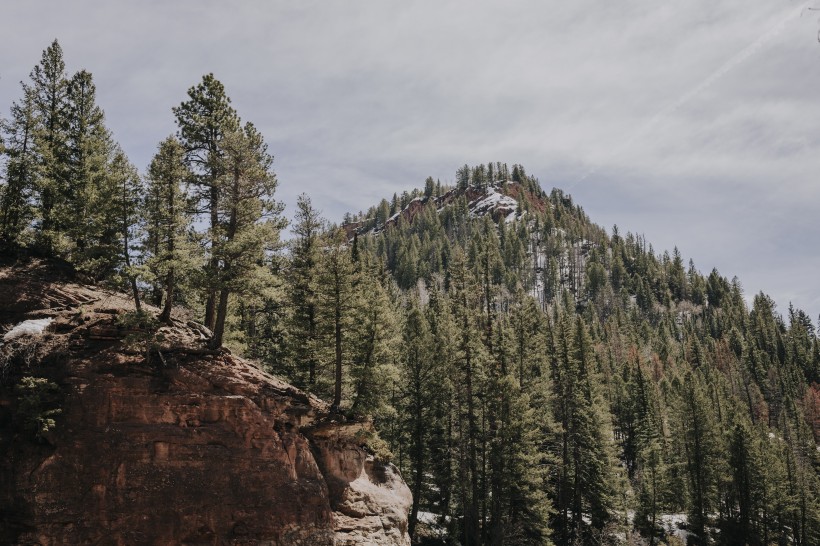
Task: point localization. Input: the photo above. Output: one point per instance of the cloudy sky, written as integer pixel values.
(695, 123)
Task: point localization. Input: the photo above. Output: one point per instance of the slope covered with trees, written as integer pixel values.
(614, 389)
(537, 379)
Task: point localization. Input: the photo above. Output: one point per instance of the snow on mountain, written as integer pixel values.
(494, 203)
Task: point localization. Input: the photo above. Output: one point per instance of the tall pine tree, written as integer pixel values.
(204, 120)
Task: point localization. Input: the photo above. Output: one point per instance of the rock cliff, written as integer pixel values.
(131, 433)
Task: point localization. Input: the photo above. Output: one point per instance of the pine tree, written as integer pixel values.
(527, 465)
(701, 451)
(123, 194)
(644, 449)
(248, 220)
(373, 341)
(18, 193)
(519, 507)
(442, 439)
(552, 280)
(463, 178)
(88, 149)
(170, 256)
(529, 347)
(471, 358)
(89, 187)
(745, 489)
(653, 487)
(204, 121)
(48, 91)
(490, 269)
(584, 487)
(382, 213)
(418, 372)
(716, 289)
(337, 305)
(303, 278)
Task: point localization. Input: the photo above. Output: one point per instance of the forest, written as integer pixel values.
(535, 378)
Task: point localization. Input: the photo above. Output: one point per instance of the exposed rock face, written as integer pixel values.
(183, 448)
(370, 500)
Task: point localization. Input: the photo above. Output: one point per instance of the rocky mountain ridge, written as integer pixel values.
(501, 200)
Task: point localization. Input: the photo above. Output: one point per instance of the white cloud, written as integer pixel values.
(694, 122)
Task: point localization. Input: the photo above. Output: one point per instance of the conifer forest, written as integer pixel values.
(536, 378)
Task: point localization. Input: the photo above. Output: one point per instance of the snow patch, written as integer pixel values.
(431, 520)
(493, 200)
(673, 525)
(34, 327)
(428, 518)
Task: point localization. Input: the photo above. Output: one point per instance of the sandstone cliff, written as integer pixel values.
(158, 441)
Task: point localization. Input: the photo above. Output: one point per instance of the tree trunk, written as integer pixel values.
(418, 455)
(337, 390)
(165, 316)
(136, 293)
(131, 277)
(210, 302)
(221, 313)
(472, 509)
(311, 344)
(210, 305)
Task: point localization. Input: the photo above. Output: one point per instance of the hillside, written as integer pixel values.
(535, 378)
(116, 429)
(578, 384)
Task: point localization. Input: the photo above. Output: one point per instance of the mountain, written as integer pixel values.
(533, 377)
(558, 381)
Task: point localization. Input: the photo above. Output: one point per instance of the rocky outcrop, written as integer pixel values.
(370, 500)
(158, 441)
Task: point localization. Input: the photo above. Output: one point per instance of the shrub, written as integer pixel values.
(36, 401)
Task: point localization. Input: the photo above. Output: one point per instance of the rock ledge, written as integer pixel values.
(159, 441)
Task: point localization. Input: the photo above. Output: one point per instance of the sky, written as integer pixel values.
(695, 123)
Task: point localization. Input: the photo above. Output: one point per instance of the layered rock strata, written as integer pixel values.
(159, 441)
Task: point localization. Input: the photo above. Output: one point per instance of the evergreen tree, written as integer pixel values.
(204, 121)
(429, 187)
(471, 357)
(645, 452)
(382, 213)
(123, 193)
(585, 483)
(519, 508)
(701, 451)
(303, 278)
(48, 91)
(248, 220)
(337, 305)
(95, 171)
(529, 347)
(745, 489)
(169, 253)
(18, 193)
(418, 372)
(373, 343)
(442, 441)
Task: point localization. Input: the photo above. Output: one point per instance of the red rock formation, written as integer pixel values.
(185, 448)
